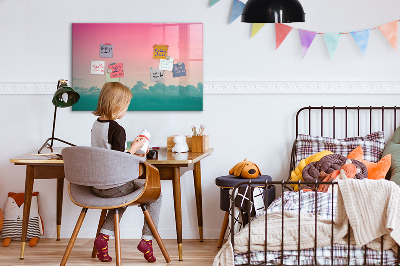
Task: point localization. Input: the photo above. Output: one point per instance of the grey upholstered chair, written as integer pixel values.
(85, 167)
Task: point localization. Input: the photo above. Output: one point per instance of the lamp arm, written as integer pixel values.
(54, 126)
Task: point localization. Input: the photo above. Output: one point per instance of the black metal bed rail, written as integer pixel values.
(346, 123)
(265, 185)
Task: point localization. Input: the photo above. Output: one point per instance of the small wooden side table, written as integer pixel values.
(226, 183)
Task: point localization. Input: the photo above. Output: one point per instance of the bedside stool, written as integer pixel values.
(228, 182)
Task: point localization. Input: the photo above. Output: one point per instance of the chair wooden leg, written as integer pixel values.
(73, 237)
(154, 230)
(101, 222)
(117, 238)
(223, 229)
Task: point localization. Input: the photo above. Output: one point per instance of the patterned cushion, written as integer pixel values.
(372, 144)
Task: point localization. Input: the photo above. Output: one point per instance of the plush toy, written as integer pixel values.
(180, 144)
(296, 174)
(375, 170)
(13, 215)
(245, 169)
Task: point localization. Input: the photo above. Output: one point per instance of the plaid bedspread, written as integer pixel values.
(321, 205)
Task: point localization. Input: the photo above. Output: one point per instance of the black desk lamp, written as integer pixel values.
(273, 11)
(64, 97)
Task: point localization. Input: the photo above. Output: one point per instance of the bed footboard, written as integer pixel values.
(309, 256)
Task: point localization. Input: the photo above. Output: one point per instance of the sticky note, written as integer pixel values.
(160, 51)
(156, 75)
(106, 50)
(97, 67)
(179, 70)
(166, 64)
(117, 70)
(110, 79)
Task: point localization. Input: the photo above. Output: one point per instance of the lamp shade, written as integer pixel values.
(273, 11)
(61, 101)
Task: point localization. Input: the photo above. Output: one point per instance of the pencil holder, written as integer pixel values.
(200, 143)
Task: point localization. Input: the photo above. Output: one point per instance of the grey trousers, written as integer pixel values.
(153, 208)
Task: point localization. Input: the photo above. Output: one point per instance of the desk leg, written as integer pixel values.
(60, 190)
(27, 206)
(199, 204)
(176, 182)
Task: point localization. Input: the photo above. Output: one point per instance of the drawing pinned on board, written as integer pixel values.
(156, 75)
(97, 67)
(167, 64)
(117, 70)
(179, 70)
(160, 51)
(106, 50)
(110, 79)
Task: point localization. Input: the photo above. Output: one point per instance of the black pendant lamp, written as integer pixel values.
(273, 11)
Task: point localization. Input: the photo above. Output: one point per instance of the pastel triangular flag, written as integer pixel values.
(281, 31)
(332, 41)
(389, 30)
(213, 2)
(361, 37)
(237, 10)
(256, 27)
(306, 39)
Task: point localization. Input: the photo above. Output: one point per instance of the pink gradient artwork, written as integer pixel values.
(133, 51)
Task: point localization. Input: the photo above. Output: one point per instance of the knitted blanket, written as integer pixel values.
(371, 207)
(274, 235)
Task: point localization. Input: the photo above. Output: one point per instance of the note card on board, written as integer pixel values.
(116, 70)
(97, 67)
(156, 75)
(106, 50)
(110, 79)
(179, 70)
(166, 64)
(160, 51)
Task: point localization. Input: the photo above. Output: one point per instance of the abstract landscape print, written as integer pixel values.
(161, 63)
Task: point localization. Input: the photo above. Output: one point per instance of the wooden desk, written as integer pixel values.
(171, 167)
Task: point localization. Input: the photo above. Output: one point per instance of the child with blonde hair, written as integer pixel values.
(106, 133)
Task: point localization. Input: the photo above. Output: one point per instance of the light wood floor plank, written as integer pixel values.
(49, 252)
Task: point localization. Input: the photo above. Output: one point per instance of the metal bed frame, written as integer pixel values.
(283, 184)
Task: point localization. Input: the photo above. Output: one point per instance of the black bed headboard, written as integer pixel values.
(344, 121)
(346, 112)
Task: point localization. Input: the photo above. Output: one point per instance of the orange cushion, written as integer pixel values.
(375, 170)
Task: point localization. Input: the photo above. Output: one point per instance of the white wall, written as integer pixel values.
(36, 47)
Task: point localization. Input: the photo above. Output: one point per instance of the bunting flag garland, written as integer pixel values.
(237, 9)
(389, 30)
(213, 2)
(281, 31)
(256, 27)
(306, 39)
(332, 41)
(361, 37)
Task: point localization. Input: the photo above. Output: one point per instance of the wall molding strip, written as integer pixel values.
(243, 87)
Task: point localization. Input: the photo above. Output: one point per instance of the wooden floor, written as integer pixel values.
(50, 252)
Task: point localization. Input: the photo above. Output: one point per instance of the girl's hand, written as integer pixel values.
(137, 144)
